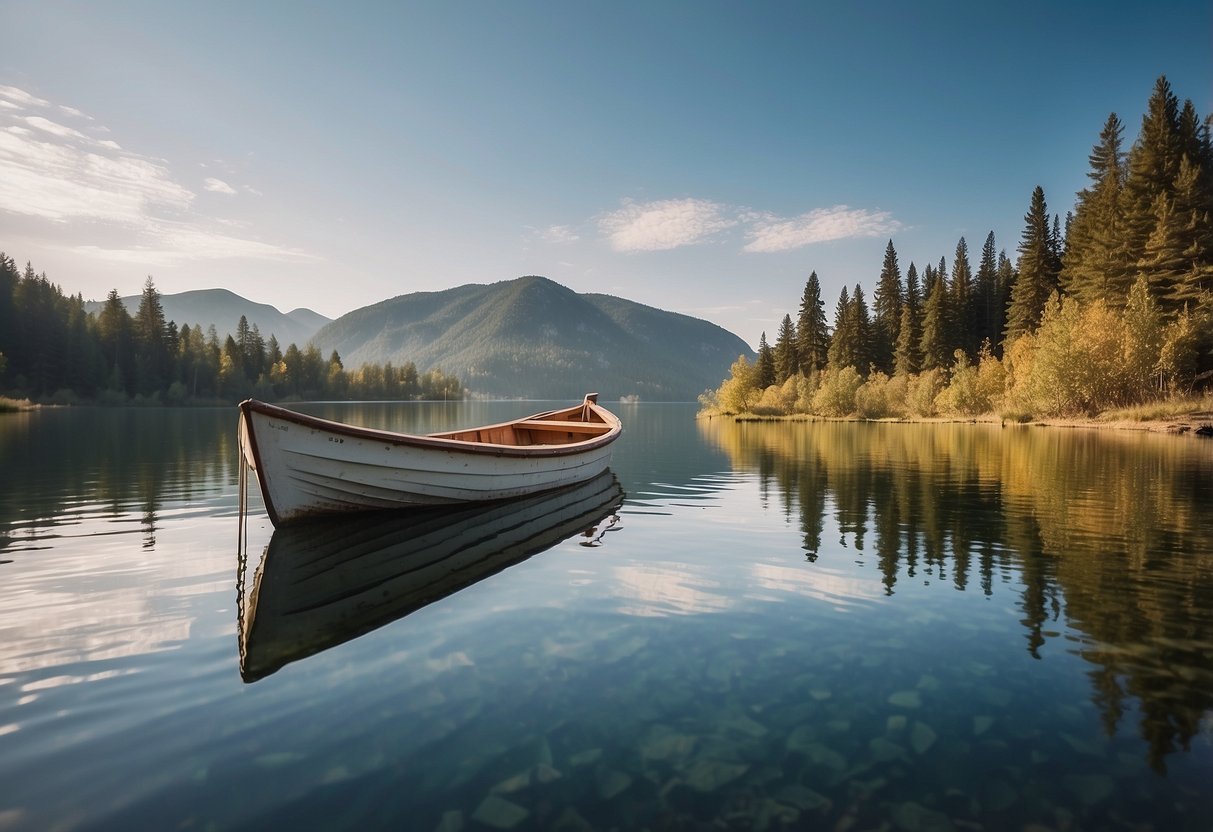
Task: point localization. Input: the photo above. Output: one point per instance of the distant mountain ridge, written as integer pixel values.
(533, 338)
(223, 308)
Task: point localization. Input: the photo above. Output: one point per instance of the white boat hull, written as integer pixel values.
(308, 466)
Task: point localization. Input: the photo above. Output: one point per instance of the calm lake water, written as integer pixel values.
(784, 626)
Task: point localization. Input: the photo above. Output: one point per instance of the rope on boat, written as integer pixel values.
(242, 485)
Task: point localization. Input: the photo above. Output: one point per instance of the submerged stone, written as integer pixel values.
(906, 699)
(922, 737)
(895, 724)
(611, 782)
(499, 813)
(981, 724)
(709, 775)
(584, 758)
(883, 750)
(914, 817)
(571, 821)
(451, 821)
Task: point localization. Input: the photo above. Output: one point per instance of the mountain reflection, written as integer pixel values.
(1108, 533)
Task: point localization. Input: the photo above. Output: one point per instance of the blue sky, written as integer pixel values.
(702, 157)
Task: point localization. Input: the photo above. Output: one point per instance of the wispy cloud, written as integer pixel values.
(674, 223)
(559, 235)
(769, 233)
(60, 171)
(664, 224)
(218, 186)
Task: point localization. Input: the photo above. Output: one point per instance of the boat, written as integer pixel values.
(324, 581)
(308, 466)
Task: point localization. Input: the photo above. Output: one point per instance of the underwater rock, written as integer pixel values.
(585, 758)
(516, 783)
(742, 724)
(570, 821)
(611, 782)
(820, 694)
(883, 750)
(801, 738)
(906, 699)
(499, 813)
(825, 757)
(709, 775)
(451, 821)
(981, 724)
(922, 737)
(544, 774)
(914, 817)
(663, 743)
(927, 682)
(895, 724)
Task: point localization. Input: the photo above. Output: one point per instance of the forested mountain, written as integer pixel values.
(532, 337)
(224, 309)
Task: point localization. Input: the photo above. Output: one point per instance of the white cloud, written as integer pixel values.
(559, 234)
(769, 233)
(218, 186)
(665, 224)
(63, 181)
(175, 243)
(55, 129)
(19, 96)
(59, 174)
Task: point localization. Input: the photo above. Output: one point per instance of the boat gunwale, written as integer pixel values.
(442, 441)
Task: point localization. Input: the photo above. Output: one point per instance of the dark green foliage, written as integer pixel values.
(886, 321)
(812, 332)
(936, 347)
(52, 345)
(1038, 270)
(907, 353)
(987, 302)
(850, 345)
(765, 366)
(964, 302)
(787, 360)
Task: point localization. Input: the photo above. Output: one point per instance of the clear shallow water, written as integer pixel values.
(785, 626)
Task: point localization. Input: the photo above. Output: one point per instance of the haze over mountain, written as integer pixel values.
(533, 338)
(223, 308)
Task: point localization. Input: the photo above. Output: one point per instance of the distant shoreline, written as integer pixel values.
(1195, 424)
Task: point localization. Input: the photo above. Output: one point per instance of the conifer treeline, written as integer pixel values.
(51, 349)
(1115, 308)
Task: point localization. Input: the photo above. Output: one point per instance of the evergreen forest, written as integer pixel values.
(52, 350)
(1110, 308)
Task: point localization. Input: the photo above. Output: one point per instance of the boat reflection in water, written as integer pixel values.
(324, 582)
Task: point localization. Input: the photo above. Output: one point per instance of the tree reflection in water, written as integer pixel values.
(1109, 533)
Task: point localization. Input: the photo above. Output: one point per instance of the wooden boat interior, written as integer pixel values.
(560, 427)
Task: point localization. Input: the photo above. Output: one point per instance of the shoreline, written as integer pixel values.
(1194, 424)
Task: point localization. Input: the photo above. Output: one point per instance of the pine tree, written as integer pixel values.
(812, 335)
(1095, 265)
(1153, 165)
(766, 364)
(842, 342)
(861, 324)
(935, 347)
(907, 356)
(906, 359)
(887, 301)
(1006, 280)
(964, 305)
(1038, 265)
(787, 361)
(985, 294)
